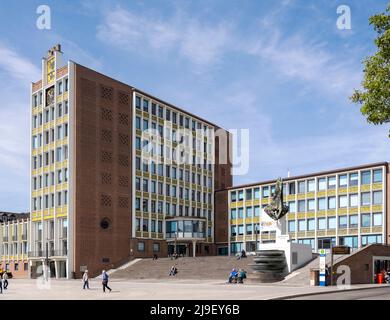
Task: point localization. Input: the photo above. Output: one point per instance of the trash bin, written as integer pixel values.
(380, 278)
(314, 277)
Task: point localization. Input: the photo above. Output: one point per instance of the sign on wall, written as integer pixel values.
(322, 279)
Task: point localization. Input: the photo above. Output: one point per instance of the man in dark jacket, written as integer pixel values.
(105, 281)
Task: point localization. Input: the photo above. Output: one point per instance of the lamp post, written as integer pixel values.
(47, 260)
(257, 236)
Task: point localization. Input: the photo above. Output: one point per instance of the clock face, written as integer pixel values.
(50, 96)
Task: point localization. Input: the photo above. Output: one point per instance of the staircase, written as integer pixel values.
(214, 267)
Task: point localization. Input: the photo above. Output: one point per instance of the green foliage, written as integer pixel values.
(375, 96)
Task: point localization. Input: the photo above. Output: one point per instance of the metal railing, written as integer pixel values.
(50, 253)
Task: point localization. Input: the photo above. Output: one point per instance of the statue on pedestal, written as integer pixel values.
(277, 209)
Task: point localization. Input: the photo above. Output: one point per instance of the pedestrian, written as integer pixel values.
(1, 285)
(155, 257)
(233, 276)
(105, 281)
(173, 271)
(85, 280)
(5, 280)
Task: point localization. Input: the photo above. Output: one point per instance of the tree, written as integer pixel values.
(374, 98)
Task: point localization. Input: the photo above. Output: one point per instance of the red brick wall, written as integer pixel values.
(103, 126)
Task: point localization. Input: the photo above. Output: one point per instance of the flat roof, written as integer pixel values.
(365, 166)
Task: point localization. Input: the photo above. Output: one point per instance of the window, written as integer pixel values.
(291, 226)
(332, 223)
(366, 220)
(377, 176)
(249, 212)
(311, 204)
(233, 231)
(353, 179)
(233, 214)
(138, 143)
(377, 197)
(301, 186)
(248, 194)
(141, 246)
(138, 123)
(377, 219)
(365, 199)
(146, 105)
(145, 125)
(249, 229)
(265, 192)
(240, 213)
(301, 225)
(349, 241)
(156, 247)
(311, 185)
(301, 205)
(240, 195)
(321, 223)
(257, 193)
(343, 180)
(343, 201)
(353, 200)
(291, 188)
(353, 221)
(138, 102)
(257, 211)
(233, 196)
(371, 239)
(332, 182)
(321, 204)
(326, 243)
(321, 184)
(343, 222)
(331, 202)
(292, 206)
(365, 177)
(311, 224)
(240, 229)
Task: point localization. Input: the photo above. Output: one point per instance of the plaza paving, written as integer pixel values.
(173, 289)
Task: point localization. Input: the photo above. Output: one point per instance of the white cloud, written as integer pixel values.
(201, 44)
(16, 66)
(308, 61)
(16, 73)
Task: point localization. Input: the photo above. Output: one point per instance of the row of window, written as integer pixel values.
(52, 200)
(173, 172)
(171, 190)
(322, 243)
(177, 154)
(168, 114)
(141, 246)
(344, 201)
(182, 137)
(50, 179)
(14, 248)
(50, 157)
(323, 183)
(62, 86)
(148, 225)
(50, 114)
(325, 203)
(171, 209)
(366, 220)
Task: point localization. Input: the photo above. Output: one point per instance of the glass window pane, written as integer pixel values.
(366, 221)
(365, 177)
(343, 180)
(377, 197)
(377, 176)
(366, 199)
(377, 219)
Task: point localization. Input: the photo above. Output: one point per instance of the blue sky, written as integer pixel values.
(281, 69)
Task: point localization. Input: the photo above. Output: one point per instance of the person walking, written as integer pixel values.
(5, 280)
(85, 280)
(1, 284)
(105, 281)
